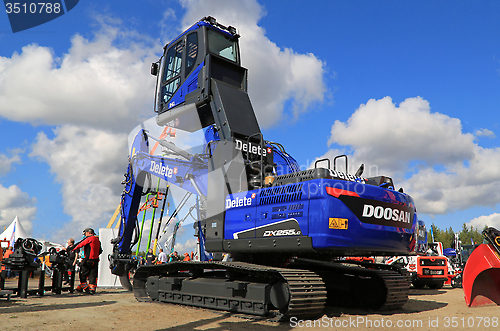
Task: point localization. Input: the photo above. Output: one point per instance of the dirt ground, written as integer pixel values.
(117, 309)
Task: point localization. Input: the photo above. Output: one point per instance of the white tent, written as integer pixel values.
(14, 231)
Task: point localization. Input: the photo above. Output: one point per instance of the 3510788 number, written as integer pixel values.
(33, 8)
(471, 322)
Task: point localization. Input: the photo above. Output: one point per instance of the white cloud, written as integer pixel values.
(15, 202)
(485, 133)
(227, 12)
(6, 162)
(391, 136)
(275, 75)
(459, 186)
(96, 92)
(89, 163)
(427, 153)
(187, 247)
(480, 222)
(167, 28)
(103, 82)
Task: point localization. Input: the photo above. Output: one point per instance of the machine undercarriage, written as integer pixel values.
(257, 289)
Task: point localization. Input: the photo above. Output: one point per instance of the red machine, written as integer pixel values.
(431, 271)
(360, 259)
(481, 276)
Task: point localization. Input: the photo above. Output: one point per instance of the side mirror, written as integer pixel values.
(154, 69)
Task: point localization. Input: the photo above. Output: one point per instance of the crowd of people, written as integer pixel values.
(6, 272)
(150, 258)
(86, 251)
(84, 258)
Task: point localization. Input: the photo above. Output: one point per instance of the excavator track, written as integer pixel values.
(307, 293)
(397, 289)
(361, 285)
(233, 286)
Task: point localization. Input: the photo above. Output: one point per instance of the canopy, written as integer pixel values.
(14, 231)
(449, 252)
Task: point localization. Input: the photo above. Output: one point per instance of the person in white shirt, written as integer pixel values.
(162, 257)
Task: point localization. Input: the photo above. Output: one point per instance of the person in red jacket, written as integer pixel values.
(89, 266)
(6, 254)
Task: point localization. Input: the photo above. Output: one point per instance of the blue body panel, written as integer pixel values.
(340, 223)
(242, 207)
(284, 163)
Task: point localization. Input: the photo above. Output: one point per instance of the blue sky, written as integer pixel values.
(410, 88)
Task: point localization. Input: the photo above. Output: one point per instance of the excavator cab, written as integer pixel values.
(481, 276)
(200, 82)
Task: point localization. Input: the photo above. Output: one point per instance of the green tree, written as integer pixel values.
(449, 238)
(446, 237)
(470, 233)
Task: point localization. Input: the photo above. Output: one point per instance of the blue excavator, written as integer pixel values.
(287, 231)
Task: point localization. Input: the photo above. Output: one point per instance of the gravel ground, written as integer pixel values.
(113, 309)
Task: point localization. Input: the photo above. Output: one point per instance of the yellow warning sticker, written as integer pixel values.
(338, 223)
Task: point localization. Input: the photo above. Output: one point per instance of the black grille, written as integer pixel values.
(279, 194)
(436, 262)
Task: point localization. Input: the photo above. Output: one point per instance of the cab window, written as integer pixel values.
(191, 52)
(172, 76)
(221, 45)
